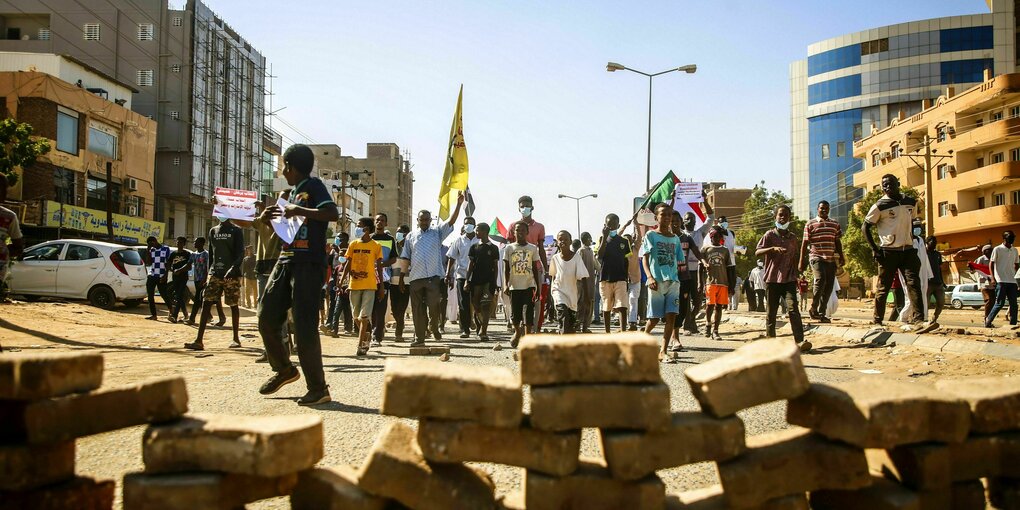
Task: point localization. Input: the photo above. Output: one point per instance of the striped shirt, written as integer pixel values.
(423, 248)
(821, 235)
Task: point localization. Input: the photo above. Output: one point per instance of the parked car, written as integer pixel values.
(103, 273)
(948, 291)
(967, 295)
(143, 251)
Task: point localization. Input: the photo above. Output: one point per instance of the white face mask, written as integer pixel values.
(399, 237)
(526, 211)
(359, 232)
(469, 229)
(782, 226)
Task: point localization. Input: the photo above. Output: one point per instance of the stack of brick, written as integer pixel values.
(46, 403)
(928, 448)
(222, 462)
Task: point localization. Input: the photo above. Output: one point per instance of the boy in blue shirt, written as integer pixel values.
(662, 255)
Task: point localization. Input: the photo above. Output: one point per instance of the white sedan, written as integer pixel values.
(103, 273)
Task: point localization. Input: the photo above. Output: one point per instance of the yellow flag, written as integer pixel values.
(456, 175)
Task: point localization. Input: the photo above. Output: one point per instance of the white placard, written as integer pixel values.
(286, 228)
(235, 204)
(688, 193)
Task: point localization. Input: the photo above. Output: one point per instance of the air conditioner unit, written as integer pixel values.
(885, 155)
(952, 208)
(951, 130)
(132, 184)
(132, 210)
(951, 169)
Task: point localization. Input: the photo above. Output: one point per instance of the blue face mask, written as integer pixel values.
(782, 226)
(725, 224)
(359, 232)
(917, 231)
(612, 233)
(526, 211)
(469, 229)
(336, 241)
(341, 259)
(399, 237)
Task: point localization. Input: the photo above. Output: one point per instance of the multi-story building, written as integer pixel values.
(272, 163)
(855, 81)
(193, 74)
(728, 202)
(974, 163)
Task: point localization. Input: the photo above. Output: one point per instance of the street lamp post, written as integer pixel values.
(613, 67)
(577, 202)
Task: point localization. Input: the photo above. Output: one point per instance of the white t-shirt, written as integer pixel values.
(1003, 263)
(565, 276)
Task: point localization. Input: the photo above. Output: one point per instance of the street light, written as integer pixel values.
(577, 201)
(613, 67)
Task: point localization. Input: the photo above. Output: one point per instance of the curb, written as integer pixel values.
(933, 343)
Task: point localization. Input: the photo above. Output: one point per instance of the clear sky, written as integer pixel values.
(541, 114)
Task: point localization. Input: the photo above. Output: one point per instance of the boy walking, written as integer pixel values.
(662, 254)
(717, 283)
(227, 243)
(613, 255)
(482, 286)
(569, 283)
(779, 248)
(522, 280)
(363, 258)
(180, 263)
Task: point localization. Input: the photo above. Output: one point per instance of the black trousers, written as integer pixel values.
(151, 284)
(180, 297)
(568, 319)
(399, 300)
(463, 307)
(295, 287)
(825, 278)
(759, 297)
(906, 262)
(427, 305)
(379, 313)
(686, 314)
(522, 306)
(785, 292)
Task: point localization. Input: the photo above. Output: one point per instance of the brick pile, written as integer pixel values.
(47, 401)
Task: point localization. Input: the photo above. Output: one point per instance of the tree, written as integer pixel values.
(760, 216)
(860, 262)
(20, 150)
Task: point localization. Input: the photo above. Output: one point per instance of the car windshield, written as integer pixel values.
(131, 257)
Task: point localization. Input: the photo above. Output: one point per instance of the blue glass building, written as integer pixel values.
(855, 81)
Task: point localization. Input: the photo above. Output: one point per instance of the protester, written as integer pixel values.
(716, 259)
(200, 268)
(662, 254)
(696, 238)
(757, 278)
(802, 288)
(936, 285)
(779, 248)
(482, 282)
(892, 217)
(569, 283)
(423, 251)
(338, 295)
(730, 243)
(735, 297)
(399, 297)
(688, 282)
(456, 274)
(159, 255)
(614, 257)
(363, 258)
(180, 263)
(536, 237)
(924, 273)
(387, 243)
(226, 243)
(250, 278)
(824, 249)
(10, 230)
(985, 279)
(1004, 264)
(296, 280)
(523, 279)
(748, 290)
(634, 284)
(586, 306)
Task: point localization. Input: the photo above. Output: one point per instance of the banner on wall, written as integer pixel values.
(125, 228)
(235, 204)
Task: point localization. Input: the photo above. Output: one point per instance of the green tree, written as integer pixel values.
(760, 216)
(860, 262)
(20, 150)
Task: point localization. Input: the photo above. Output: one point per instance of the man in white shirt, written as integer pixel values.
(757, 277)
(456, 273)
(1003, 265)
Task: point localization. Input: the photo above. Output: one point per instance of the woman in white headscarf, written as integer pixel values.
(924, 275)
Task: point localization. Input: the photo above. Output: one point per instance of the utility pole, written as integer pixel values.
(109, 200)
(929, 200)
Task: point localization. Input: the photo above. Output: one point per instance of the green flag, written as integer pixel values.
(662, 192)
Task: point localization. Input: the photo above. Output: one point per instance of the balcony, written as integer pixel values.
(1001, 215)
(980, 178)
(993, 133)
(29, 46)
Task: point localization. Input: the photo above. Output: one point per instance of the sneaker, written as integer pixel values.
(279, 380)
(633, 326)
(824, 320)
(194, 346)
(234, 345)
(463, 335)
(362, 351)
(172, 319)
(437, 336)
(805, 346)
(151, 318)
(418, 343)
(314, 398)
(263, 358)
(716, 336)
(375, 343)
(677, 348)
(220, 323)
(708, 333)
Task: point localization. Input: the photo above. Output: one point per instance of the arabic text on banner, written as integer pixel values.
(235, 204)
(688, 193)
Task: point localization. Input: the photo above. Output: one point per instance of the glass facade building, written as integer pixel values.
(851, 83)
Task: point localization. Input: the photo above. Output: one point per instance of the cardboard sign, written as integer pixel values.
(235, 204)
(688, 193)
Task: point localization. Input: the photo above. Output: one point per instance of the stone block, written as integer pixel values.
(247, 445)
(34, 376)
(206, 491)
(592, 487)
(24, 467)
(690, 438)
(419, 351)
(615, 406)
(712, 498)
(968, 495)
(791, 461)
(511, 501)
(631, 357)
(932, 466)
(760, 372)
(1004, 493)
(880, 413)
(431, 389)
(439, 349)
(334, 488)
(552, 453)
(882, 494)
(76, 494)
(84, 414)
(994, 401)
(397, 469)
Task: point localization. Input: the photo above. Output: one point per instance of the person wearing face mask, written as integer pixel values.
(697, 236)
(757, 278)
(399, 298)
(779, 247)
(389, 256)
(613, 255)
(822, 237)
(688, 280)
(1004, 263)
(923, 274)
(536, 237)
(456, 274)
(936, 285)
(892, 217)
(364, 257)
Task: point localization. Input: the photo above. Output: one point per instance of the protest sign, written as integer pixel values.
(235, 204)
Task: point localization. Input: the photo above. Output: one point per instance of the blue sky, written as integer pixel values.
(541, 114)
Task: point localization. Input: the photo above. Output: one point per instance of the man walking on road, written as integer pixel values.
(389, 255)
(586, 308)
(399, 297)
(536, 237)
(779, 248)
(456, 274)
(363, 258)
(159, 257)
(180, 263)
(200, 266)
(482, 280)
(521, 277)
(757, 278)
(613, 255)
(936, 285)
(892, 216)
(227, 252)
(985, 281)
(822, 238)
(662, 258)
(1004, 264)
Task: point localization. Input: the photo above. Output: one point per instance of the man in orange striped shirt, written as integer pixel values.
(822, 240)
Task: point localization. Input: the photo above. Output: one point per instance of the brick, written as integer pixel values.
(206, 491)
(439, 349)
(84, 414)
(691, 437)
(880, 413)
(1004, 493)
(511, 501)
(791, 461)
(591, 487)
(760, 372)
(76, 494)
(551, 453)
(617, 358)
(38, 376)
(994, 401)
(882, 494)
(432, 389)
(247, 445)
(932, 466)
(334, 488)
(397, 469)
(616, 406)
(25, 467)
(712, 498)
(419, 351)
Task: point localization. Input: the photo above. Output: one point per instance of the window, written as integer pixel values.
(177, 161)
(874, 159)
(1014, 111)
(96, 194)
(876, 46)
(942, 133)
(91, 31)
(178, 21)
(47, 252)
(67, 131)
(942, 172)
(895, 152)
(825, 151)
(1014, 154)
(978, 123)
(63, 186)
(81, 252)
(1016, 197)
(145, 31)
(144, 77)
(44, 34)
(857, 131)
(840, 149)
(943, 209)
(175, 115)
(175, 68)
(833, 89)
(998, 157)
(996, 116)
(102, 140)
(999, 199)
(981, 202)
(979, 162)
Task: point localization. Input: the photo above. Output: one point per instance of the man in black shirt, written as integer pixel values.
(296, 281)
(180, 264)
(483, 262)
(226, 251)
(389, 256)
(936, 285)
(612, 255)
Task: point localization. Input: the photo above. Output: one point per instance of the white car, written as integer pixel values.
(103, 273)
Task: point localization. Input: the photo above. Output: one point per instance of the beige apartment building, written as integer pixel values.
(974, 177)
(727, 202)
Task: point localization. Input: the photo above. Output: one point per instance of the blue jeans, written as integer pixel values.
(1002, 292)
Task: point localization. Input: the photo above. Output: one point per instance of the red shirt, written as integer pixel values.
(536, 233)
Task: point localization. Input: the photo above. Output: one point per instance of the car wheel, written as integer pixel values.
(102, 297)
(31, 299)
(132, 303)
(957, 304)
